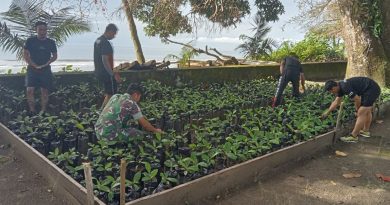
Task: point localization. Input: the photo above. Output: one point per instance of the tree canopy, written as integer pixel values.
(167, 18)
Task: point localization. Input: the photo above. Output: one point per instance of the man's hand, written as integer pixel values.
(324, 115)
(117, 78)
(158, 130)
(302, 89)
(33, 65)
(40, 67)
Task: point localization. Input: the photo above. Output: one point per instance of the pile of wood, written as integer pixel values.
(135, 65)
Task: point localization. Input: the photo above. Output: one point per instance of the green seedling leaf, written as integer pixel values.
(148, 167)
(153, 173)
(116, 184)
(80, 126)
(174, 180)
(108, 166)
(137, 177)
(110, 196)
(169, 163)
(231, 156)
(103, 188)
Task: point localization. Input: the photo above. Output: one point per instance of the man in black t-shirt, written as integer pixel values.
(291, 71)
(39, 52)
(364, 92)
(103, 57)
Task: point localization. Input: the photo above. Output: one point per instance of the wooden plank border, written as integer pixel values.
(62, 184)
(200, 190)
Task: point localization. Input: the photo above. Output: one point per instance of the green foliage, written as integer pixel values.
(185, 56)
(269, 10)
(70, 68)
(168, 18)
(24, 70)
(258, 44)
(376, 17)
(237, 125)
(314, 48)
(162, 18)
(17, 24)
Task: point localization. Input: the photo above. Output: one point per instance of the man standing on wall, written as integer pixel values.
(290, 71)
(39, 52)
(364, 92)
(104, 62)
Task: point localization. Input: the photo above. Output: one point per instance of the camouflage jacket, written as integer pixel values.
(112, 122)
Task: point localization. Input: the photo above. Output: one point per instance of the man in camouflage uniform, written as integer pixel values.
(112, 122)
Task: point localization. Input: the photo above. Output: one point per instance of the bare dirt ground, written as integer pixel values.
(320, 180)
(20, 184)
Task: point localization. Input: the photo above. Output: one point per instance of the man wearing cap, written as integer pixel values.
(364, 91)
(290, 71)
(39, 52)
(113, 120)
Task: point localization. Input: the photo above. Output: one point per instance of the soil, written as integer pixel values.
(320, 180)
(20, 184)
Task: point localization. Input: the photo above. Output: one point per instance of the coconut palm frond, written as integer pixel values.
(62, 31)
(11, 42)
(62, 24)
(24, 13)
(258, 44)
(17, 24)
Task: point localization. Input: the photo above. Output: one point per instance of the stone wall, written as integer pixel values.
(313, 72)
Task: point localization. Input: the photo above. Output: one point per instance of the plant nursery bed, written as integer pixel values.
(193, 192)
(238, 176)
(61, 183)
(218, 137)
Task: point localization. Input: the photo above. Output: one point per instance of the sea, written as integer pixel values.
(14, 66)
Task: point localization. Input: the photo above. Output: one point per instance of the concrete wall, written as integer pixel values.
(313, 71)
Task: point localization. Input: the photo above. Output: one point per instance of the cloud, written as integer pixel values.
(223, 39)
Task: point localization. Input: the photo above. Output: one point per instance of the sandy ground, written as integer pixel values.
(20, 184)
(320, 180)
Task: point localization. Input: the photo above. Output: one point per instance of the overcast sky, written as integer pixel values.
(81, 46)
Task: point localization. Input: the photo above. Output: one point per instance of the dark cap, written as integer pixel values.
(329, 85)
(135, 88)
(40, 23)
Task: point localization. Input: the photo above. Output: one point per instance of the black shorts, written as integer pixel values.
(371, 95)
(109, 83)
(39, 78)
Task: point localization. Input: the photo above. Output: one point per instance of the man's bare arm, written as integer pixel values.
(107, 64)
(26, 56)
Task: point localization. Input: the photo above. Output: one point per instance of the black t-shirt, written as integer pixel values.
(101, 47)
(292, 66)
(355, 86)
(40, 50)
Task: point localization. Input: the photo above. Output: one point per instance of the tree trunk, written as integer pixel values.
(385, 37)
(133, 31)
(366, 54)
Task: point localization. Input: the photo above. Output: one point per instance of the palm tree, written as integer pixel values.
(257, 45)
(17, 24)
